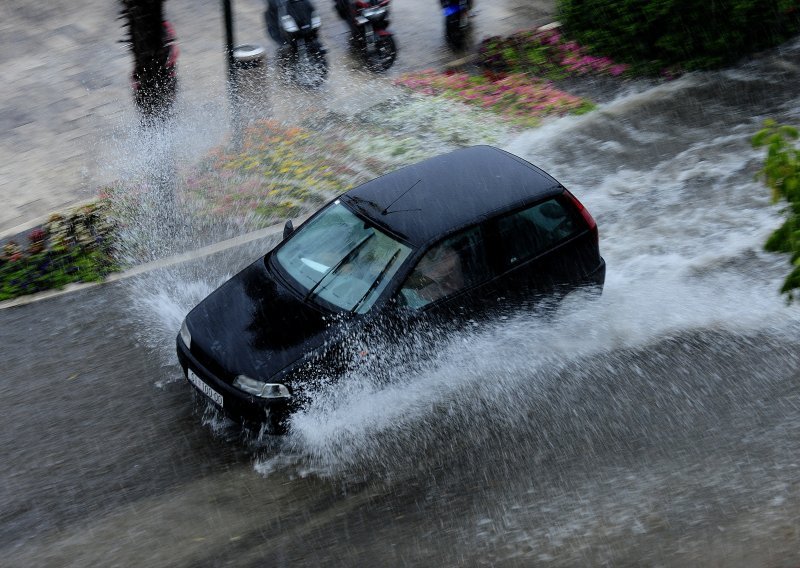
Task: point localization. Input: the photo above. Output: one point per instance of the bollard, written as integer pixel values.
(251, 81)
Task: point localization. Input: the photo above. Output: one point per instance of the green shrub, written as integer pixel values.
(666, 35)
(781, 173)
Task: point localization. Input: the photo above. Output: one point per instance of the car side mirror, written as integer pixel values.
(288, 229)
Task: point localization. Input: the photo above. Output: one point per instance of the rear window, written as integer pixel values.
(532, 231)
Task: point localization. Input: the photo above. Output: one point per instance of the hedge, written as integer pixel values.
(684, 35)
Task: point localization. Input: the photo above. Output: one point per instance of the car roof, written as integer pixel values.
(432, 198)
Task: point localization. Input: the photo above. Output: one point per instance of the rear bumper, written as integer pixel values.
(239, 406)
(598, 276)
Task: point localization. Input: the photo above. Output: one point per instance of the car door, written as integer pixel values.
(450, 279)
(537, 250)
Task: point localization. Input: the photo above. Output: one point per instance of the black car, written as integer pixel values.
(463, 233)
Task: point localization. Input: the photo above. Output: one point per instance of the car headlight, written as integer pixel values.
(260, 388)
(316, 21)
(186, 336)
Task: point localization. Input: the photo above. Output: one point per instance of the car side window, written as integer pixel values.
(529, 232)
(453, 265)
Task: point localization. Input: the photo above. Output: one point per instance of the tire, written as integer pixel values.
(341, 9)
(311, 70)
(454, 32)
(385, 54)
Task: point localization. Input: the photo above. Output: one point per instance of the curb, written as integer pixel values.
(174, 260)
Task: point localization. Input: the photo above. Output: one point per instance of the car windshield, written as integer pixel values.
(339, 258)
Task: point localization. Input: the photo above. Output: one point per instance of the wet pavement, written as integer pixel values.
(66, 94)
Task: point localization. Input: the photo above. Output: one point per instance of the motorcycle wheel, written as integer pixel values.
(454, 32)
(310, 71)
(384, 55)
(341, 9)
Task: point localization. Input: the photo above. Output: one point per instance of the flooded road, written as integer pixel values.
(657, 425)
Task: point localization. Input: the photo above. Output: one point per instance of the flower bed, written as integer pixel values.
(75, 247)
(269, 176)
(543, 53)
(518, 97)
(517, 74)
(280, 171)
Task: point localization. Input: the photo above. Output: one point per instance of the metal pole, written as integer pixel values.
(228, 11)
(233, 89)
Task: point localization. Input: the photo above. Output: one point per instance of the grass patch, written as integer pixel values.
(516, 78)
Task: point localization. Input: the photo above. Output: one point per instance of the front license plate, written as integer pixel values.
(204, 388)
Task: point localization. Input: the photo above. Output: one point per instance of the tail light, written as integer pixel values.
(587, 217)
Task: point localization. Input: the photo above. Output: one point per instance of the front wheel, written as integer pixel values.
(384, 55)
(309, 67)
(341, 8)
(455, 30)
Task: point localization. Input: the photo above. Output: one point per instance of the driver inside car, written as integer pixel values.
(438, 274)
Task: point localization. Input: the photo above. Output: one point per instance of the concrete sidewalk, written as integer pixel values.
(67, 106)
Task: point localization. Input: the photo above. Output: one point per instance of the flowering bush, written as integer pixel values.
(276, 172)
(517, 96)
(543, 53)
(73, 247)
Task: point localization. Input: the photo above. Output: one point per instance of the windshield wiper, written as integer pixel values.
(345, 259)
(361, 200)
(377, 281)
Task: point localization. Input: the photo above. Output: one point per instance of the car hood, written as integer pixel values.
(254, 325)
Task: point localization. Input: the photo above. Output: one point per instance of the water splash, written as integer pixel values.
(519, 381)
(161, 299)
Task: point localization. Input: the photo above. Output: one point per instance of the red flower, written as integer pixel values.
(36, 235)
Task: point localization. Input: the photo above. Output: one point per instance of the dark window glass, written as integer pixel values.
(532, 231)
(455, 264)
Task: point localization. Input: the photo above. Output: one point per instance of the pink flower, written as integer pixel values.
(550, 37)
(617, 70)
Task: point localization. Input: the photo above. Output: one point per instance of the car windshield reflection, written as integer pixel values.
(338, 258)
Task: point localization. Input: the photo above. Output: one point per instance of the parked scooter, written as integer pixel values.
(294, 25)
(456, 21)
(368, 21)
